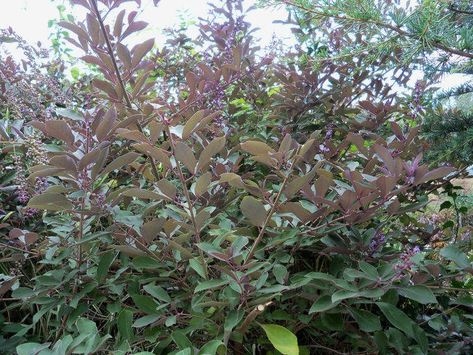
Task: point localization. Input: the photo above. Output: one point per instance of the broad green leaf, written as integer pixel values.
(50, 202)
(157, 292)
(254, 210)
(146, 320)
(186, 351)
(31, 348)
(369, 270)
(145, 303)
(421, 294)
(280, 273)
(124, 322)
(198, 267)
(456, 255)
(212, 347)
(397, 318)
(282, 339)
(105, 261)
(233, 318)
(181, 340)
(61, 346)
(344, 294)
(206, 285)
(367, 321)
(323, 304)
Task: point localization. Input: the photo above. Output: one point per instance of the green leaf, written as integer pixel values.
(145, 303)
(344, 294)
(206, 285)
(198, 267)
(420, 294)
(181, 340)
(157, 292)
(61, 346)
(397, 318)
(124, 322)
(233, 318)
(367, 321)
(369, 270)
(105, 261)
(280, 273)
(186, 351)
(146, 320)
(456, 255)
(445, 205)
(31, 348)
(282, 339)
(212, 347)
(323, 304)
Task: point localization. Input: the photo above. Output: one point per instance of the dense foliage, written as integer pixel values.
(210, 197)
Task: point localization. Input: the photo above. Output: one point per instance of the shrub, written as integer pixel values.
(181, 215)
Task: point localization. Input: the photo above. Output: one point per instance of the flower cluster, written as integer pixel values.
(405, 263)
(416, 104)
(35, 155)
(376, 243)
(328, 136)
(22, 190)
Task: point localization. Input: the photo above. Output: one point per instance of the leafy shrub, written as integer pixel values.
(181, 215)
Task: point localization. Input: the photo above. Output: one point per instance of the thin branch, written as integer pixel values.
(460, 11)
(190, 205)
(271, 212)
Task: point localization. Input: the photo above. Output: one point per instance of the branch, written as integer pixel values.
(271, 212)
(465, 12)
(388, 26)
(119, 77)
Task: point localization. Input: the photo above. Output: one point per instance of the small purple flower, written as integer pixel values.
(377, 242)
(323, 148)
(405, 263)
